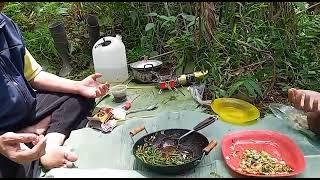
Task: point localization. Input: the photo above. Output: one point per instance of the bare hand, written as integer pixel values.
(305, 100)
(314, 121)
(91, 88)
(11, 146)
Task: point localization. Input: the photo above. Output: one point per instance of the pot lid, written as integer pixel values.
(145, 64)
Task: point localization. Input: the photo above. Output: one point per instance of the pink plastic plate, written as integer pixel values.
(276, 144)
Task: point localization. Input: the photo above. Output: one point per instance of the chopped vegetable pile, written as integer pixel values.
(262, 163)
(154, 156)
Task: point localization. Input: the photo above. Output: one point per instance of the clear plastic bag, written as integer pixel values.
(297, 118)
(196, 92)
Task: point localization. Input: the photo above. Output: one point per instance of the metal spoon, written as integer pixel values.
(200, 126)
(149, 108)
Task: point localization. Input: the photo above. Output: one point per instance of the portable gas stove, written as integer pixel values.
(166, 81)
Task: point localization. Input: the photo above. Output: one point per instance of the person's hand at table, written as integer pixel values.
(91, 88)
(307, 101)
(12, 146)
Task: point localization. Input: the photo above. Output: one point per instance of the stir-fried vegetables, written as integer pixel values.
(164, 157)
(255, 162)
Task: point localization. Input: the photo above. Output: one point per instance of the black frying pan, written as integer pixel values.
(195, 143)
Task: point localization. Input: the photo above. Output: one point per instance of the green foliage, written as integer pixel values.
(252, 87)
(229, 39)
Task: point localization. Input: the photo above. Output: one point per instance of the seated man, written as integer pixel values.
(57, 107)
(307, 101)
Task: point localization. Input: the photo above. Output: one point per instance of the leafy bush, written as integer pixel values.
(254, 48)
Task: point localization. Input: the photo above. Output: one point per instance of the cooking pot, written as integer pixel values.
(194, 145)
(145, 71)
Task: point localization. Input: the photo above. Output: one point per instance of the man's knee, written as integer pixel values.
(71, 113)
(82, 103)
(83, 108)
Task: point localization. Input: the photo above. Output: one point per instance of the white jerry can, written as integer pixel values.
(109, 59)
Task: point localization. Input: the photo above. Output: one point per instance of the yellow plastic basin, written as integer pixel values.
(234, 110)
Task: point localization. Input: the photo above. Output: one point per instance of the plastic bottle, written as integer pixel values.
(109, 59)
(187, 79)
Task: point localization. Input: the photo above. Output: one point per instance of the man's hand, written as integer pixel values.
(91, 88)
(11, 146)
(305, 100)
(314, 122)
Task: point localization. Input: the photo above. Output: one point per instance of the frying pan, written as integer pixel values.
(195, 143)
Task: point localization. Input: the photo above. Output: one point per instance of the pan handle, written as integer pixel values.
(205, 123)
(144, 67)
(211, 145)
(137, 130)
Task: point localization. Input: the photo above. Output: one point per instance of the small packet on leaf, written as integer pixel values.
(103, 115)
